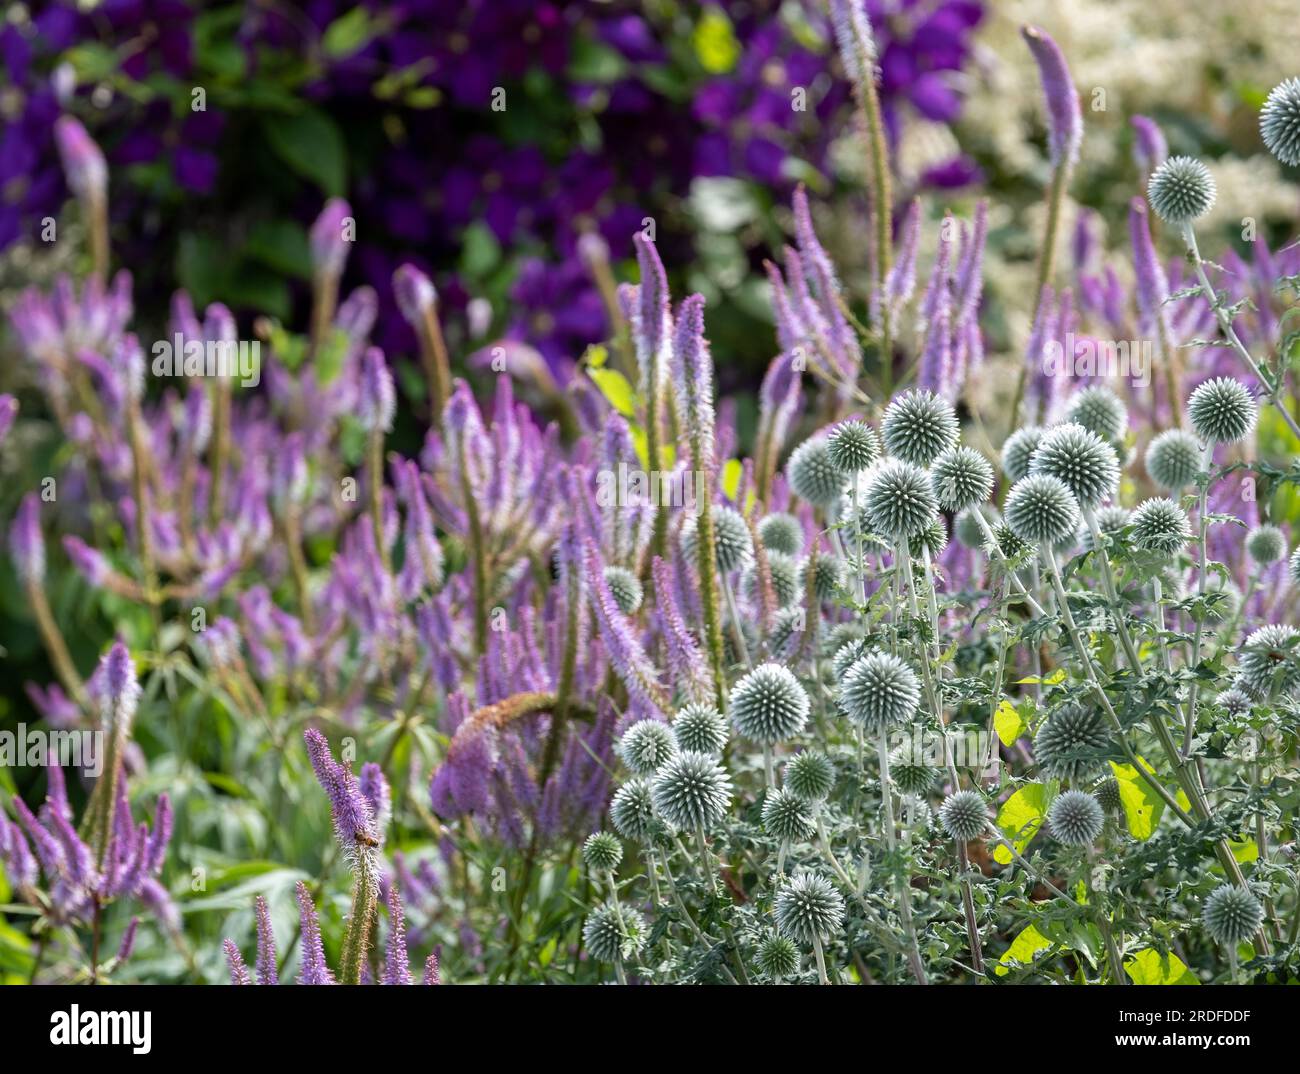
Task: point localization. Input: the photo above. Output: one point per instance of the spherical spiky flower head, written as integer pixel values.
(692, 791)
(602, 852)
(768, 705)
(1279, 121)
(900, 502)
(781, 533)
(966, 527)
(786, 816)
(844, 651)
(1180, 190)
(961, 477)
(1075, 818)
(808, 908)
(1100, 411)
(733, 546)
(1266, 544)
(1108, 796)
(1231, 915)
(784, 572)
(964, 815)
(1018, 451)
(1294, 568)
(1235, 700)
(852, 447)
(1072, 743)
(828, 576)
(1161, 526)
(1082, 459)
(632, 811)
(910, 772)
(812, 475)
(778, 957)
(932, 540)
(646, 746)
(1041, 509)
(810, 775)
(700, 729)
(879, 691)
(917, 426)
(1222, 410)
(625, 588)
(614, 932)
(1111, 519)
(1269, 660)
(1173, 459)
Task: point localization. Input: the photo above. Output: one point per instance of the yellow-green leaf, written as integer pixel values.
(1022, 950)
(1149, 967)
(731, 473)
(715, 43)
(1019, 819)
(1244, 850)
(1056, 676)
(1142, 806)
(616, 389)
(1007, 723)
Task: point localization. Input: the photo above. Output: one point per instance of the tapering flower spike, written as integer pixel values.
(1065, 118)
(267, 973)
(1149, 145)
(329, 237)
(26, 545)
(312, 969)
(397, 966)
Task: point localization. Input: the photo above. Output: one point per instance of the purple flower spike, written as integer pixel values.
(89, 563)
(378, 402)
(354, 824)
(397, 967)
(685, 661)
(626, 655)
(26, 544)
(415, 294)
(1064, 117)
(8, 411)
(1152, 284)
(853, 36)
(652, 308)
(692, 371)
(431, 976)
(375, 789)
(127, 945)
(267, 974)
(238, 971)
(312, 969)
(1149, 146)
(83, 162)
(331, 236)
(901, 281)
(118, 690)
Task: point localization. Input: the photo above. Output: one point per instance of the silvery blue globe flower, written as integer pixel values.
(786, 816)
(784, 572)
(1082, 459)
(1075, 818)
(733, 546)
(1018, 451)
(1235, 700)
(1111, 520)
(900, 502)
(961, 477)
(1100, 411)
(612, 933)
(964, 815)
(778, 957)
(1269, 660)
(632, 811)
(1222, 411)
(602, 852)
(1041, 509)
(1279, 121)
(910, 770)
(1231, 915)
(812, 474)
(781, 533)
(917, 426)
(625, 588)
(646, 745)
(692, 791)
(966, 527)
(1161, 526)
(1072, 743)
(828, 577)
(768, 705)
(808, 908)
(810, 775)
(700, 729)
(1108, 795)
(879, 691)
(1266, 544)
(1180, 190)
(1173, 459)
(788, 625)
(852, 447)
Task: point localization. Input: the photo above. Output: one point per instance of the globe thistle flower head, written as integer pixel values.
(1235, 700)
(632, 811)
(1231, 915)
(700, 729)
(964, 815)
(1222, 411)
(784, 572)
(910, 772)
(768, 705)
(879, 691)
(1107, 794)
(1279, 121)
(732, 543)
(1173, 459)
(1161, 526)
(602, 852)
(1266, 544)
(781, 532)
(1041, 509)
(966, 527)
(828, 577)
(808, 908)
(1018, 451)
(1100, 411)
(932, 540)
(961, 477)
(1181, 190)
(625, 588)
(611, 933)
(692, 791)
(812, 474)
(918, 425)
(1111, 519)
(900, 502)
(1072, 743)
(1082, 459)
(778, 957)
(852, 447)
(809, 775)
(1269, 660)
(1075, 818)
(786, 816)
(646, 746)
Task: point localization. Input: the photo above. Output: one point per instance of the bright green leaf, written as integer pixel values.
(616, 389)
(731, 473)
(1142, 806)
(715, 43)
(1022, 950)
(1019, 819)
(1149, 967)
(1007, 723)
